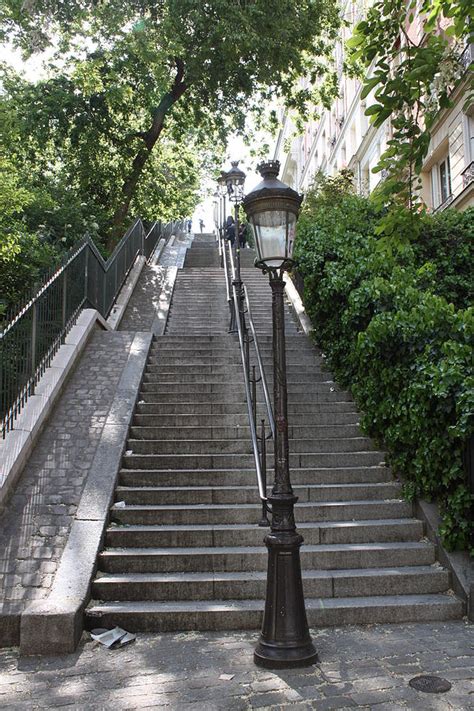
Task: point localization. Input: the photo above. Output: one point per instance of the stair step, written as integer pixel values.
(363, 531)
(200, 495)
(244, 446)
(237, 461)
(251, 585)
(243, 558)
(153, 616)
(144, 427)
(313, 412)
(242, 477)
(250, 513)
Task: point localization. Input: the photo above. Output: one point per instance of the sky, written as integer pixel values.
(236, 150)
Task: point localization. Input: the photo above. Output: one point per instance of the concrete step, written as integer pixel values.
(144, 428)
(212, 392)
(228, 535)
(152, 616)
(326, 412)
(237, 461)
(251, 513)
(419, 580)
(197, 373)
(245, 558)
(244, 446)
(242, 477)
(182, 495)
(150, 415)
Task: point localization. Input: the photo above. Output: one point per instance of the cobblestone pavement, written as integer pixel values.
(361, 667)
(35, 522)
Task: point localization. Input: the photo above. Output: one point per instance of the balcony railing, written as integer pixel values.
(444, 204)
(468, 175)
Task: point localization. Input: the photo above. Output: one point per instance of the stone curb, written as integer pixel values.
(459, 563)
(17, 446)
(168, 280)
(54, 625)
(123, 298)
(297, 305)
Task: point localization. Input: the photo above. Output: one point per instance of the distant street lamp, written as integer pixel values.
(235, 179)
(272, 209)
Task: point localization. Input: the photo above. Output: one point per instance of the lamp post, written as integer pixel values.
(235, 179)
(272, 209)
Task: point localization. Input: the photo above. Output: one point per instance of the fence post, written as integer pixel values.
(34, 334)
(86, 275)
(64, 304)
(142, 238)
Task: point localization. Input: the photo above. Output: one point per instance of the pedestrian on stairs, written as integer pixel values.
(201, 224)
(230, 230)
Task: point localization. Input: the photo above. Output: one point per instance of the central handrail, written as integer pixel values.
(263, 378)
(238, 313)
(253, 431)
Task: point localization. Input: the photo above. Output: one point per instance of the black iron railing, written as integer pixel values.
(258, 435)
(32, 332)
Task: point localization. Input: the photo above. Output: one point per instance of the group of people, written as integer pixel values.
(230, 232)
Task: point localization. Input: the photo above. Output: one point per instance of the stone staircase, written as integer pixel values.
(184, 552)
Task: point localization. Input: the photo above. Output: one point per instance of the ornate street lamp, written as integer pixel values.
(272, 209)
(234, 180)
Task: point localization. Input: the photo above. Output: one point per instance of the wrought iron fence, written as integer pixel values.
(32, 332)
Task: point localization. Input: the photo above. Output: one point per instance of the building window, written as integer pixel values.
(444, 180)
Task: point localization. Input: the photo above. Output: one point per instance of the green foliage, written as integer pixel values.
(395, 324)
(412, 75)
(145, 59)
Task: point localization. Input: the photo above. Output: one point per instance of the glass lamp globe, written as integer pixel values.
(272, 210)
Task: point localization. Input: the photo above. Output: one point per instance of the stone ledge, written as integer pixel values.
(54, 625)
(126, 291)
(18, 444)
(459, 563)
(297, 305)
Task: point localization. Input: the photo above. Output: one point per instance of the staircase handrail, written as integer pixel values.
(244, 343)
(34, 329)
(263, 378)
(261, 368)
(253, 431)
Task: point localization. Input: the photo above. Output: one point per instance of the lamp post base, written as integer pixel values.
(285, 640)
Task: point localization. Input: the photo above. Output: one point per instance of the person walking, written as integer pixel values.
(230, 230)
(243, 235)
(201, 224)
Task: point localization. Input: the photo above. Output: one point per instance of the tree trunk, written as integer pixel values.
(150, 138)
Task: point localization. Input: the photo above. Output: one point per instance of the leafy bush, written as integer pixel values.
(397, 329)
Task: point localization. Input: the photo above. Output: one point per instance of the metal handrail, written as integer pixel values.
(253, 431)
(257, 350)
(263, 378)
(33, 332)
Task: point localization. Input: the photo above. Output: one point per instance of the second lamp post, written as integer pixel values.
(235, 179)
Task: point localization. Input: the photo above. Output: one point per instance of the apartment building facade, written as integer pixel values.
(344, 138)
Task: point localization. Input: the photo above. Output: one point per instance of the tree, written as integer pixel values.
(223, 57)
(71, 137)
(412, 78)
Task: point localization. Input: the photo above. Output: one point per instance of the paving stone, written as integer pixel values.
(35, 522)
(182, 671)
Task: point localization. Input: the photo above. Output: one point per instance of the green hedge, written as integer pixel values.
(397, 330)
